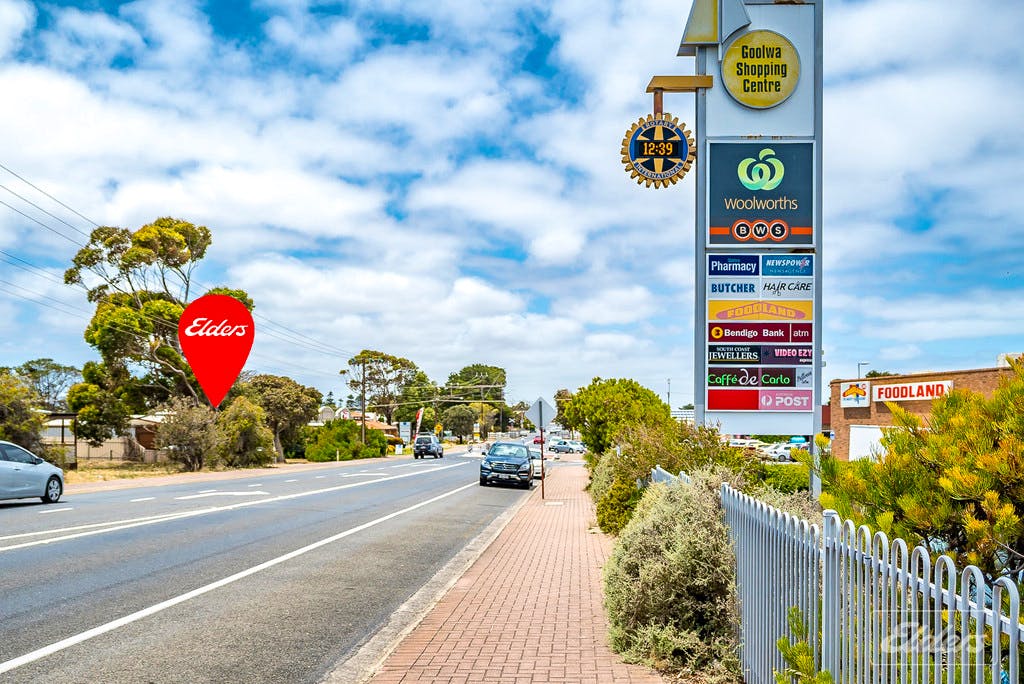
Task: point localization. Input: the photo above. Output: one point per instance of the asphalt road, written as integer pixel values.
(259, 579)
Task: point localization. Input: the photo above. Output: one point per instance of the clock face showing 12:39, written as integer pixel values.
(657, 150)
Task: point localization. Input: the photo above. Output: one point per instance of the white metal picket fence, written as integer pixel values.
(886, 613)
(877, 611)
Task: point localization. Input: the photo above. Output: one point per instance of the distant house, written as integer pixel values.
(373, 421)
(138, 444)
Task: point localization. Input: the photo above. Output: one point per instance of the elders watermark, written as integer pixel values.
(931, 635)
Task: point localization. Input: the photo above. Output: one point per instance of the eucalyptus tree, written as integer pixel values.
(140, 282)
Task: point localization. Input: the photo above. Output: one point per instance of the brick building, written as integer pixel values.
(859, 410)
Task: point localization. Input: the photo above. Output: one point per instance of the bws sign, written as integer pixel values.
(760, 194)
(911, 391)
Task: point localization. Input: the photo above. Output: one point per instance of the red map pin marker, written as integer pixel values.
(216, 333)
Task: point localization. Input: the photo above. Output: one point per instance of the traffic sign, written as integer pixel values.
(541, 413)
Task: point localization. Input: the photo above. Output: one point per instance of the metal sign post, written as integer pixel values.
(757, 243)
(536, 415)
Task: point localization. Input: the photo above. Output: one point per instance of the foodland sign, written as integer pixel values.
(911, 391)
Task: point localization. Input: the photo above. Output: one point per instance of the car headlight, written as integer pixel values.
(485, 466)
(524, 468)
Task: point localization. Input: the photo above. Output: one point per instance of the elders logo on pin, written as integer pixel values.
(216, 334)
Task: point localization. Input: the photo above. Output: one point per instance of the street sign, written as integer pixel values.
(541, 414)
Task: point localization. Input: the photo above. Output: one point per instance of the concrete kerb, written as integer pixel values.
(371, 656)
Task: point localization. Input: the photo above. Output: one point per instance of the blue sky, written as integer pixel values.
(440, 180)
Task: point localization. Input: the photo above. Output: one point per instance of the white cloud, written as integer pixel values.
(16, 17)
(423, 194)
(329, 43)
(902, 352)
(93, 38)
(611, 306)
(177, 34)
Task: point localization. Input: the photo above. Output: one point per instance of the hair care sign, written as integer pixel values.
(216, 334)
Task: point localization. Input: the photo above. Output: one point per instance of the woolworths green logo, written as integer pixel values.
(763, 173)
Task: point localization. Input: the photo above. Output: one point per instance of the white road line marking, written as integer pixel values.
(320, 477)
(56, 510)
(138, 522)
(145, 498)
(206, 491)
(209, 494)
(152, 610)
(364, 474)
(256, 485)
(291, 480)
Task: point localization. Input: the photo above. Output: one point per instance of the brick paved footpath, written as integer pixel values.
(486, 629)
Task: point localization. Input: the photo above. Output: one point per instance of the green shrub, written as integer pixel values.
(787, 477)
(615, 507)
(340, 440)
(669, 583)
(798, 654)
(244, 440)
(601, 476)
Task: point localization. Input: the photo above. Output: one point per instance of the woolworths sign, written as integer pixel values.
(761, 194)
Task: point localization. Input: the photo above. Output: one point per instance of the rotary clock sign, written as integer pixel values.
(658, 151)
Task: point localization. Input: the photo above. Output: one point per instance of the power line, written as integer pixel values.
(296, 336)
(53, 216)
(38, 189)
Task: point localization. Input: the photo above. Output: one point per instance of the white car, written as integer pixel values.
(539, 468)
(24, 475)
(781, 451)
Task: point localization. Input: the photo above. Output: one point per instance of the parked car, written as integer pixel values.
(561, 446)
(538, 440)
(507, 463)
(578, 446)
(427, 445)
(24, 475)
(538, 462)
(781, 451)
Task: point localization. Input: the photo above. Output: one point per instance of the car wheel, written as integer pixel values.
(53, 491)
(483, 482)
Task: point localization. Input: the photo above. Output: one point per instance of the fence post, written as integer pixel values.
(830, 595)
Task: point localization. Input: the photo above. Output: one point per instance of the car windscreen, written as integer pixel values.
(507, 451)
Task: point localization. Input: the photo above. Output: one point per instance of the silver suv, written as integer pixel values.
(427, 445)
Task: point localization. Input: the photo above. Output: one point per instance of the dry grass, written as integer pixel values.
(101, 471)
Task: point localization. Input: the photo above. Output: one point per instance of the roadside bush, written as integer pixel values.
(787, 477)
(601, 476)
(244, 440)
(616, 505)
(669, 583)
(340, 440)
(189, 434)
(674, 447)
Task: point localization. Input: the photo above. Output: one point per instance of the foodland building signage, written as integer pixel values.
(758, 218)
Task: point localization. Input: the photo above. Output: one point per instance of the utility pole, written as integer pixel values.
(669, 398)
(363, 399)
